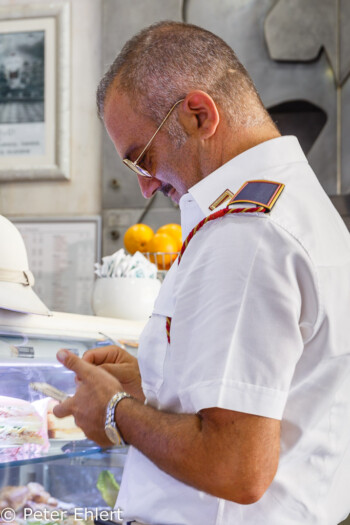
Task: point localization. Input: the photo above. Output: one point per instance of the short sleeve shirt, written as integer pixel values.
(259, 306)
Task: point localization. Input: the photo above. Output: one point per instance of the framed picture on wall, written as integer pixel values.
(34, 91)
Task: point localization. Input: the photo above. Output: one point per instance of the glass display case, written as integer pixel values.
(60, 473)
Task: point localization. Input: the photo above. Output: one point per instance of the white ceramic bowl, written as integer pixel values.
(124, 297)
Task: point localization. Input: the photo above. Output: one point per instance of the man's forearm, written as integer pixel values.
(167, 439)
(184, 446)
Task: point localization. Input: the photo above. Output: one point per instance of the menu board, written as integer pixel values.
(61, 255)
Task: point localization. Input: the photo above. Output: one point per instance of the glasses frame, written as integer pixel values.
(133, 165)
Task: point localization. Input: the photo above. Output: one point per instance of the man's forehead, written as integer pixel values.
(123, 124)
(117, 109)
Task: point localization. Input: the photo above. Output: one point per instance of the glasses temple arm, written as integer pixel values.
(155, 133)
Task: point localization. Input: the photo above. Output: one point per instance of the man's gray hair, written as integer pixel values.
(162, 63)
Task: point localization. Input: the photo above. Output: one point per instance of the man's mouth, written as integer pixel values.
(166, 189)
(169, 191)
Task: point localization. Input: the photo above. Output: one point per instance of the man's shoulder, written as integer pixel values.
(240, 238)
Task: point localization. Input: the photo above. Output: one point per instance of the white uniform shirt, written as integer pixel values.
(260, 308)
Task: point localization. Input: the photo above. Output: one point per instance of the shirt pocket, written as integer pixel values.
(153, 344)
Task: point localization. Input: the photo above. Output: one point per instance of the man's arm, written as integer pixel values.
(228, 454)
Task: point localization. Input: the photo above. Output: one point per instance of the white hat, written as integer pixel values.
(16, 280)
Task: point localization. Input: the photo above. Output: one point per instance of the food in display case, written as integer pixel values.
(20, 423)
(62, 428)
(108, 487)
(33, 505)
(29, 495)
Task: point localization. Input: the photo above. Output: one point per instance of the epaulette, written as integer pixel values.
(259, 192)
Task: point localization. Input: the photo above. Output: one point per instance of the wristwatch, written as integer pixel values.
(111, 429)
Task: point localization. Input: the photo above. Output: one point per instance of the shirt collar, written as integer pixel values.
(191, 214)
(254, 163)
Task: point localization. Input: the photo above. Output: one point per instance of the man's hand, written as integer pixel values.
(121, 365)
(95, 388)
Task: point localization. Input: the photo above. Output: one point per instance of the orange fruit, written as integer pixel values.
(167, 246)
(137, 237)
(174, 230)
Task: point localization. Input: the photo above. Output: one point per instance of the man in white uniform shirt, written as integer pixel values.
(240, 400)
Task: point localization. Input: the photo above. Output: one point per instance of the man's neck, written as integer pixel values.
(246, 139)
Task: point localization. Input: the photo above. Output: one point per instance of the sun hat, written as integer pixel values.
(16, 280)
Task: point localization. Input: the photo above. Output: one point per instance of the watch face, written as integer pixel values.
(112, 434)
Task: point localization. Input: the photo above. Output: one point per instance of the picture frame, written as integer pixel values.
(35, 91)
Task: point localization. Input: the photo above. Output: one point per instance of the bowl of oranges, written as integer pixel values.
(160, 247)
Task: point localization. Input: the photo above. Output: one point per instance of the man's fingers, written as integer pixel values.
(89, 356)
(63, 409)
(111, 369)
(74, 363)
(107, 354)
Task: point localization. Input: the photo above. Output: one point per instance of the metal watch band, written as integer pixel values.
(110, 414)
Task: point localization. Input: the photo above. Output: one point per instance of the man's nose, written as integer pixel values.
(148, 185)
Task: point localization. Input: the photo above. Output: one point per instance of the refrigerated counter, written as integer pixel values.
(68, 470)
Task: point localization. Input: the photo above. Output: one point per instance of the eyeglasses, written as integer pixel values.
(134, 165)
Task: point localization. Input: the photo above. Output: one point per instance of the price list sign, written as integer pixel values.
(61, 255)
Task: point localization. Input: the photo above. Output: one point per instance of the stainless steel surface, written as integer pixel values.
(242, 25)
(297, 30)
(121, 20)
(297, 52)
(344, 20)
(345, 133)
(342, 203)
(122, 201)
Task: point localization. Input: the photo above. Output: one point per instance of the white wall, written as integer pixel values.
(81, 195)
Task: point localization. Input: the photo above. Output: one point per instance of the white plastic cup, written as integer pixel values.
(125, 297)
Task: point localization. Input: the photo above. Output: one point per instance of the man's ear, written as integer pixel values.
(199, 114)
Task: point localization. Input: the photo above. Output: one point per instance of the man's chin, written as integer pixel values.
(174, 196)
